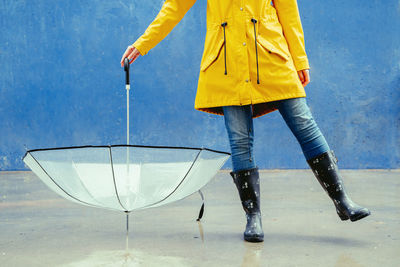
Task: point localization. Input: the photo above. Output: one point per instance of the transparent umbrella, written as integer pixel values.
(125, 177)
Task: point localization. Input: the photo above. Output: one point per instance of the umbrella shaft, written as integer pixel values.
(127, 150)
(127, 114)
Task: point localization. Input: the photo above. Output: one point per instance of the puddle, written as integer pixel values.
(346, 261)
(122, 258)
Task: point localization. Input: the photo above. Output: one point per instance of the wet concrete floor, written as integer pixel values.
(39, 228)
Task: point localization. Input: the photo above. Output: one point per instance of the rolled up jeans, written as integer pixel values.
(298, 117)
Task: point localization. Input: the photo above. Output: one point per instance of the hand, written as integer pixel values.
(304, 76)
(131, 53)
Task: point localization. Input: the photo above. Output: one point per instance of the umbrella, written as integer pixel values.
(125, 177)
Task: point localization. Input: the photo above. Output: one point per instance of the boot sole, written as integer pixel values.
(354, 218)
(254, 239)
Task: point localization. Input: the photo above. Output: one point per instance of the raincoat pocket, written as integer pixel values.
(271, 48)
(270, 34)
(213, 43)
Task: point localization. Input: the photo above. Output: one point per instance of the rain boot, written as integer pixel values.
(248, 185)
(324, 167)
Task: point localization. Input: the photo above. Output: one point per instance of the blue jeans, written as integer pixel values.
(298, 117)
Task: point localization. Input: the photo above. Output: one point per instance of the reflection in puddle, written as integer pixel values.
(122, 258)
(346, 261)
(252, 256)
(201, 231)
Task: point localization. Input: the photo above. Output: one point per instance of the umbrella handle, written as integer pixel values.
(126, 68)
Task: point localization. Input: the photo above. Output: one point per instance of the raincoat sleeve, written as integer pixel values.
(289, 17)
(170, 14)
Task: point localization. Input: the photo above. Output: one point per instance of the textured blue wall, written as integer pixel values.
(61, 83)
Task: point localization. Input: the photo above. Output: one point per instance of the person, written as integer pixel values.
(251, 81)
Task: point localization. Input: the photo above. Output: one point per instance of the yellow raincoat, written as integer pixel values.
(252, 51)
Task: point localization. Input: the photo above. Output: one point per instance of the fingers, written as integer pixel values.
(131, 53)
(127, 52)
(304, 76)
(301, 75)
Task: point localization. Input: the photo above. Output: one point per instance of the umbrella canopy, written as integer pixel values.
(125, 177)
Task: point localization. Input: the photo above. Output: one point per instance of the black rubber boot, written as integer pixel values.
(325, 169)
(248, 184)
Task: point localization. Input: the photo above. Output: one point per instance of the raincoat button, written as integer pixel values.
(269, 51)
(244, 43)
(247, 80)
(241, 8)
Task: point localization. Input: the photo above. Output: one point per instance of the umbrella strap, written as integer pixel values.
(201, 212)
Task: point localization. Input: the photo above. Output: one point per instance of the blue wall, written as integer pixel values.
(61, 83)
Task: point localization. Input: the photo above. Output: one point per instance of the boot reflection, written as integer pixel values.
(252, 255)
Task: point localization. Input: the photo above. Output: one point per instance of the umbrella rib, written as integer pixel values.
(194, 161)
(89, 204)
(115, 184)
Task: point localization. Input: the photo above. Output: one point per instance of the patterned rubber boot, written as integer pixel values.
(248, 184)
(325, 169)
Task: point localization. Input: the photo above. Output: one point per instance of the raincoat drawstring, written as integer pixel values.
(255, 42)
(223, 25)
